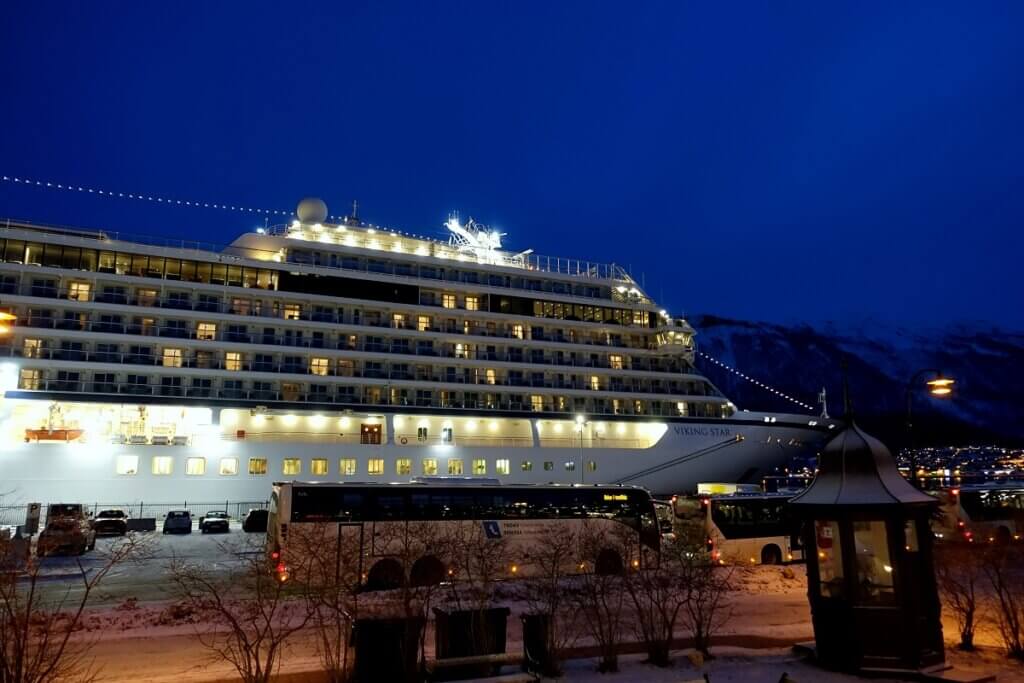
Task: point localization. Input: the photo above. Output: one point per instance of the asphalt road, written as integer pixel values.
(146, 577)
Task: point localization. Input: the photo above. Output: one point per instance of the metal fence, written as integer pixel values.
(14, 515)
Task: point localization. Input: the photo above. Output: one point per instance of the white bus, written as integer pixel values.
(984, 513)
(743, 528)
(368, 516)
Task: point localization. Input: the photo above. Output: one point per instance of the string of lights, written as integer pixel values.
(756, 382)
(138, 196)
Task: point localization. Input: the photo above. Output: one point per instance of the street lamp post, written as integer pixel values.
(581, 425)
(941, 387)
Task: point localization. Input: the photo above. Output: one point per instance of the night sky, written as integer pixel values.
(769, 161)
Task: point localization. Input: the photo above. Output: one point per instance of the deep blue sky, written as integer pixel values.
(766, 160)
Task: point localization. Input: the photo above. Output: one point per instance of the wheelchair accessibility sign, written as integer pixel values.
(492, 529)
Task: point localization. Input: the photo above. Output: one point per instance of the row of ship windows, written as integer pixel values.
(163, 465)
(76, 258)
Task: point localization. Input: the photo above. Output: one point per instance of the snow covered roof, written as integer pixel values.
(856, 469)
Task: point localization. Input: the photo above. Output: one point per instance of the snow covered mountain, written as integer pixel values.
(798, 360)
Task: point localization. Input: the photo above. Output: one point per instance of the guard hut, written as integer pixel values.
(870, 567)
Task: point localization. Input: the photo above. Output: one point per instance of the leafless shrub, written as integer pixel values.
(598, 595)
(1003, 568)
(959, 570)
(38, 619)
(477, 562)
(658, 594)
(328, 581)
(545, 595)
(706, 587)
(248, 608)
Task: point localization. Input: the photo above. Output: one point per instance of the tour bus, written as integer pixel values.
(992, 513)
(741, 527)
(367, 516)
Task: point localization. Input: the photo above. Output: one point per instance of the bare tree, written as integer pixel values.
(38, 619)
(706, 608)
(959, 569)
(598, 594)
(545, 595)
(329, 581)
(1002, 567)
(659, 593)
(249, 607)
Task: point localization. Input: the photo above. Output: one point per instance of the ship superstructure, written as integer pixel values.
(343, 351)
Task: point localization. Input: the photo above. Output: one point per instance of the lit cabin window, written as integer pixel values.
(430, 467)
(491, 376)
(207, 331)
(502, 466)
(403, 466)
(536, 403)
(591, 466)
(517, 331)
(232, 361)
(479, 466)
(455, 466)
(291, 466)
(79, 291)
(195, 467)
(319, 366)
(292, 311)
(595, 383)
(615, 362)
(163, 465)
(32, 348)
(423, 323)
(472, 303)
(347, 467)
(172, 358)
(448, 300)
(318, 466)
(257, 466)
(570, 466)
(526, 466)
(228, 467)
(29, 379)
(398, 320)
(375, 466)
(127, 465)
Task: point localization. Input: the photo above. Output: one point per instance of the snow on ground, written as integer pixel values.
(157, 642)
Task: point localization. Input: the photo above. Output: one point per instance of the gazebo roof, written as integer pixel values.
(855, 469)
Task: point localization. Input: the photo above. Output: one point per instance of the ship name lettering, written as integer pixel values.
(703, 431)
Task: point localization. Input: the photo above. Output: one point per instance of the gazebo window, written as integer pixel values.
(874, 568)
(830, 558)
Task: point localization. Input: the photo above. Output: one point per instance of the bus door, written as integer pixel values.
(349, 545)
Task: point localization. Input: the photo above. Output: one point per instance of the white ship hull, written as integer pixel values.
(688, 452)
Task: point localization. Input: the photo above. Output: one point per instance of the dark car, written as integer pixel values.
(68, 530)
(112, 521)
(255, 520)
(215, 520)
(178, 522)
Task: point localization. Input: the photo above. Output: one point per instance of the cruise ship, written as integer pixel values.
(141, 369)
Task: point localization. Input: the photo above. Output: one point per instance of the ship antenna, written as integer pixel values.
(355, 209)
(823, 402)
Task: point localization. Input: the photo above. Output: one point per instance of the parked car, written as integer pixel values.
(215, 520)
(67, 530)
(112, 521)
(178, 522)
(255, 520)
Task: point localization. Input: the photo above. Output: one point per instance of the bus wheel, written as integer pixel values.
(426, 571)
(608, 563)
(770, 554)
(385, 575)
(1003, 536)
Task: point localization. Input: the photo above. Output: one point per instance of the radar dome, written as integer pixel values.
(311, 210)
